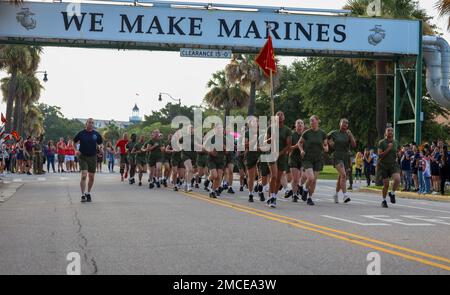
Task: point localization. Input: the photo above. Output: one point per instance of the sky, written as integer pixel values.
(106, 83)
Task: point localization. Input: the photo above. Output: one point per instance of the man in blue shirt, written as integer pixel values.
(87, 154)
(406, 167)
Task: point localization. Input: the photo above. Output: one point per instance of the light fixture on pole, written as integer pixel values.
(174, 99)
(45, 79)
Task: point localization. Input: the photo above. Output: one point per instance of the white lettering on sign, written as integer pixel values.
(208, 53)
(163, 27)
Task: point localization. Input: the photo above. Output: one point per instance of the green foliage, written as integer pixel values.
(110, 133)
(55, 125)
(166, 114)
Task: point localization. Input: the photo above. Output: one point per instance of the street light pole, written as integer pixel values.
(45, 75)
(174, 99)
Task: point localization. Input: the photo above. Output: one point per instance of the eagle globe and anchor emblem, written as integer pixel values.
(25, 18)
(377, 36)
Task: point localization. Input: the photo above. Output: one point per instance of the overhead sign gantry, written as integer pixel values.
(165, 25)
(174, 25)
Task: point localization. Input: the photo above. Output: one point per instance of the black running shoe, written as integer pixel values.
(384, 204)
(300, 190)
(220, 190)
(88, 198)
(151, 185)
(230, 190)
(165, 183)
(225, 186)
(310, 202)
(196, 185)
(175, 188)
(295, 199)
(158, 185)
(304, 195)
(192, 181)
(271, 202)
(261, 196)
(241, 189)
(250, 198)
(392, 197)
(83, 199)
(288, 194)
(140, 183)
(212, 195)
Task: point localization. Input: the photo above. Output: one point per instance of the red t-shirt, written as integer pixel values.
(70, 151)
(61, 148)
(121, 144)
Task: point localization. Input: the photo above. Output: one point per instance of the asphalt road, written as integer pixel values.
(134, 230)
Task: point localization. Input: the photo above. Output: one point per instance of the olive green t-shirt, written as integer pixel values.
(283, 134)
(129, 147)
(341, 144)
(140, 155)
(252, 143)
(390, 158)
(220, 154)
(156, 152)
(191, 153)
(295, 154)
(313, 145)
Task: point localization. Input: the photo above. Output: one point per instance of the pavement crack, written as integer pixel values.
(83, 244)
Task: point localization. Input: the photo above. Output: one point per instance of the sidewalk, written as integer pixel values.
(409, 195)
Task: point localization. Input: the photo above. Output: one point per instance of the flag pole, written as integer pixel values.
(272, 103)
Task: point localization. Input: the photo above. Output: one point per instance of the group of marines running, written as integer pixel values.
(299, 162)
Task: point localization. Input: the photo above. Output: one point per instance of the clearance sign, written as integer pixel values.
(169, 28)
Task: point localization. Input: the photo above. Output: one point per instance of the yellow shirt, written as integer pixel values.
(359, 160)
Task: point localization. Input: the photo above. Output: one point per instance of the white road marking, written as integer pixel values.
(41, 179)
(407, 206)
(386, 218)
(355, 222)
(17, 180)
(428, 219)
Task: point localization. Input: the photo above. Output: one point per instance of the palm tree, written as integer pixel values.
(28, 93)
(244, 71)
(390, 9)
(34, 124)
(24, 82)
(444, 10)
(223, 95)
(111, 132)
(15, 59)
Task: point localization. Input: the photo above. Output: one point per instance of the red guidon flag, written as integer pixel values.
(266, 58)
(16, 135)
(3, 119)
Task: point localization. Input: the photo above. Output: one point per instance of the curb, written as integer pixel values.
(8, 190)
(408, 195)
